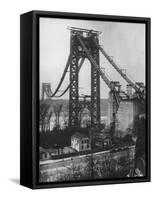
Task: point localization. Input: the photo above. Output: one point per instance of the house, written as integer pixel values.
(44, 154)
(103, 138)
(80, 142)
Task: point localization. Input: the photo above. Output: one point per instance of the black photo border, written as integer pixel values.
(35, 16)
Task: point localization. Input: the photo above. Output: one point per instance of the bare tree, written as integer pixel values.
(65, 115)
(45, 116)
(57, 109)
(84, 116)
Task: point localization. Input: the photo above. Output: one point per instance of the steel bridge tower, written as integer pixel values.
(89, 37)
(46, 90)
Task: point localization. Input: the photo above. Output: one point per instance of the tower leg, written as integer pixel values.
(95, 92)
(73, 99)
(78, 52)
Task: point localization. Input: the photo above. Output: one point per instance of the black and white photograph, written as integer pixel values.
(76, 100)
(92, 96)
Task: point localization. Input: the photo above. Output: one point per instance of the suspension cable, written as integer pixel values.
(80, 65)
(62, 78)
(111, 61)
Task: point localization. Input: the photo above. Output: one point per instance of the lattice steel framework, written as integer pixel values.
(77, 52)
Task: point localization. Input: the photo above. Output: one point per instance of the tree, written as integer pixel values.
(139, 131)
(73, 172)
(45, 116)
(65, 115)
(127, 139)
(43, 110)
(57, 109)
(84, 117)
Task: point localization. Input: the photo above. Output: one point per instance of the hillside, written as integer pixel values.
(65, 102)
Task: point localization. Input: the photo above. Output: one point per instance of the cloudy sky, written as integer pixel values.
(124, 41)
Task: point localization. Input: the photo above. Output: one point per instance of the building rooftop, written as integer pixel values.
(79, 135)
(42, 150)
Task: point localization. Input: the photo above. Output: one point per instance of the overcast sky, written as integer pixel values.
(124, 41)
